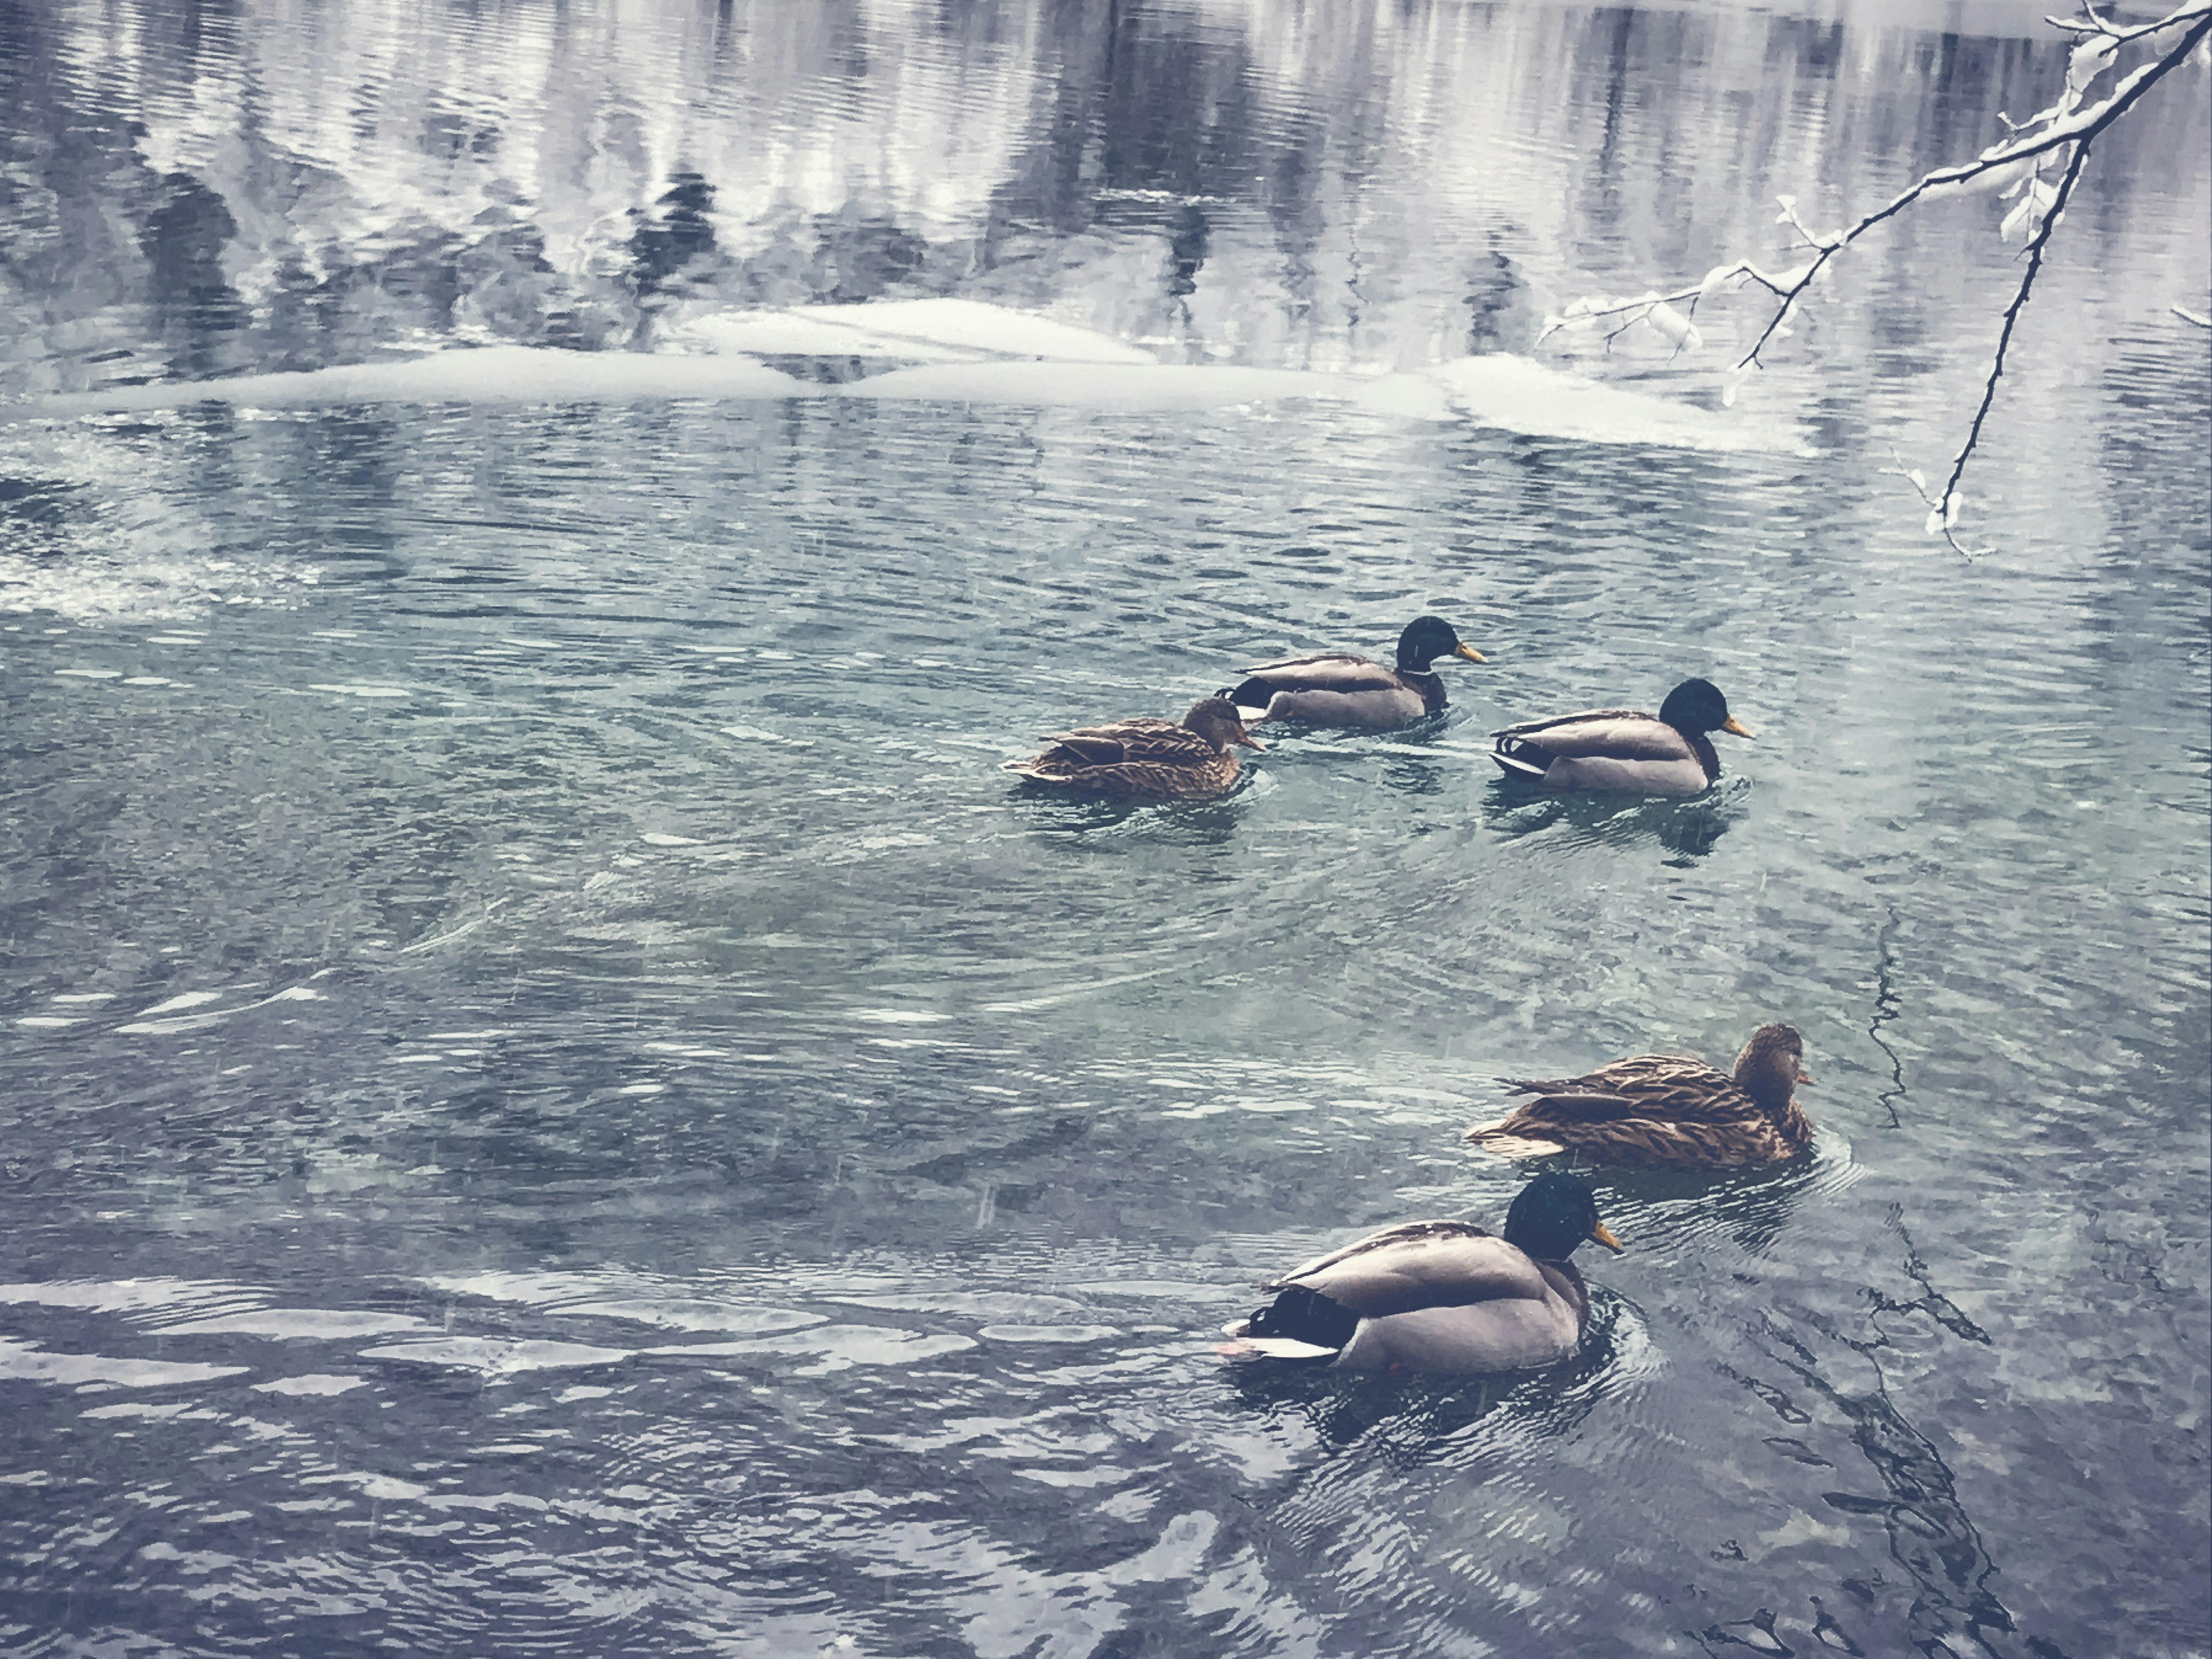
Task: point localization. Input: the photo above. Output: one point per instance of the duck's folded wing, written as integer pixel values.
(1133, 740)
(1629, 1078)
(1567, 1104)
(1615, 733)
(1424, 1264)
(1329, 671)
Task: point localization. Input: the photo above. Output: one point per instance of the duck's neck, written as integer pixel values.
(1567, 1279)
(1792, 1125)
(1431, 686)
(1708, 756)
(1776, 1096)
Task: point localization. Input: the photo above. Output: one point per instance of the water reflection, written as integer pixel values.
(559, 1096)
(1689, 829)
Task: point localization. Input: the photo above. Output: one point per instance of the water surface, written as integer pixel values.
(561, 1101)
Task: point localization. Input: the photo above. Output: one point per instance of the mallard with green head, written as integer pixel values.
(1338, 689)
(1625, 748)
(1667, 1111)
(1146, 759)
(1440, 1296)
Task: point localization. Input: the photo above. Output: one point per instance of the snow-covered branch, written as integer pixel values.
(2054, 141)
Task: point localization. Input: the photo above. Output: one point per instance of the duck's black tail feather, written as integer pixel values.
(1253, 693)
(1521, 755)
(1304, 1316)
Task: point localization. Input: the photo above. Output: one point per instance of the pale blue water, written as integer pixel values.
(561, 1102)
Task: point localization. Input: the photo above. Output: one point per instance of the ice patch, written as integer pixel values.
(1097, 385)
(978, 327)
(1520, 395)
(970, 352)
(487, 374)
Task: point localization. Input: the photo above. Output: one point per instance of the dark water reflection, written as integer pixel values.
(562, 1102)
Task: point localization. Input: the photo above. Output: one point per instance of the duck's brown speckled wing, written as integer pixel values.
(1137, 739)
(1329, 670)
(1420, 1264)
(1666, 1110)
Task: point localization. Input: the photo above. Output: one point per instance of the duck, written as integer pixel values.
(1340, 689)
(1625, 748)
(1440, 1296)
(1667, 1111)
(1146, 759)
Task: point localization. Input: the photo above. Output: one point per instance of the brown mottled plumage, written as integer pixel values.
(1668, 1111)
(1145, 758)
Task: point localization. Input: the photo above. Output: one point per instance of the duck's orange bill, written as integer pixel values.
(1804, 1076)
(1603, 1235)
(1470, 653)
(1732, 724)
(1248, 740)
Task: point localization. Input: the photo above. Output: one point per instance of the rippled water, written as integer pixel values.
(561, 1101)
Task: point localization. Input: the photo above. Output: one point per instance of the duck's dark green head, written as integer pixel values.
(1554, 1214)
(1427, 638)
(1697, 706)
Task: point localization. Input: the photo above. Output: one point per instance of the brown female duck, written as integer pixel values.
(1668, 1111)
(1146, 759)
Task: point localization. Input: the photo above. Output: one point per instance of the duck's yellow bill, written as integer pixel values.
(1732, 724)
(1470, 653)
(1603, 1235)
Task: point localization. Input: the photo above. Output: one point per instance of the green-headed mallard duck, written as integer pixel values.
(1440, 1296)
(1625, 748)
(1338, 689)
(1668, 1111)
(1144, 758)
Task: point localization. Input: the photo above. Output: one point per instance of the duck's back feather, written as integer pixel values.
(1652, 1110)
(1420, 1264)
(1338, 689)
(1614, 733)
(1328, 670)
(1622, 750)
(1137, 739)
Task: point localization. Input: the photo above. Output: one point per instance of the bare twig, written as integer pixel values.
(2065, 130)
(1946, 507)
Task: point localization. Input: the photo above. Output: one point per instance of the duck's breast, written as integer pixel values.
(1488, 1336)
(1631, 777)
(1372, 710)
